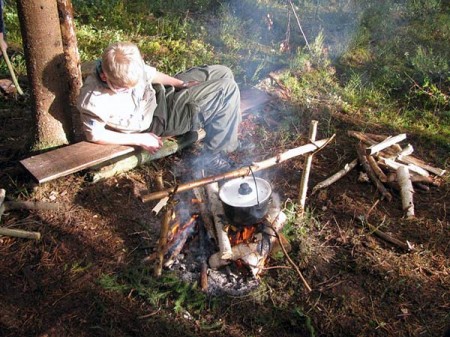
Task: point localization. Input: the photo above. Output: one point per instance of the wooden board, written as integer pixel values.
(79, 156)
(70, 159)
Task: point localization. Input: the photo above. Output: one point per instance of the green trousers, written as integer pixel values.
(212, 105)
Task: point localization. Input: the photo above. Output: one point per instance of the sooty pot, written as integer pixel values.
(245, 200)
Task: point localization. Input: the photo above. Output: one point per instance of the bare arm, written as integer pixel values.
(148, 141)
(164, 79)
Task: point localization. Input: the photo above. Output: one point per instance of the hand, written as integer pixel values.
(189, 84)
(150, 142)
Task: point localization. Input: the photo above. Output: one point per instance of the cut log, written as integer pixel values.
(404, 154)
(406, 191)
(372, 140)
(361, 150)
(405, 151)
(395, 165)
(130, 161)
(363, 137)
(419, 163)
(376, 169)
(218, 213)
(335, 177)
(385, 144)
(415, 178)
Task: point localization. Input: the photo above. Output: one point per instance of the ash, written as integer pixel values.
(231, 280)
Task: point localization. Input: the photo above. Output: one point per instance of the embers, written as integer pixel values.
(194, 245)
(243, 234)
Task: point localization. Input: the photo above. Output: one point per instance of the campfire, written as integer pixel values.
(224, 236)
(206, 244)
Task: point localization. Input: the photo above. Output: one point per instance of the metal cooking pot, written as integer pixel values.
(245, 200)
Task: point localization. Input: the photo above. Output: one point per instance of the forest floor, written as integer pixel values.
(361, 284)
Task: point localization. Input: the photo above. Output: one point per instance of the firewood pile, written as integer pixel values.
(388, 165)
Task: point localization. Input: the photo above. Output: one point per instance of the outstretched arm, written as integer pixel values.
(148, 141)
(164, 79)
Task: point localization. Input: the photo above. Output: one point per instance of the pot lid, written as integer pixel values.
(245, 192)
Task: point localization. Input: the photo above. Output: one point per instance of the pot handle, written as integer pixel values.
(256, 185)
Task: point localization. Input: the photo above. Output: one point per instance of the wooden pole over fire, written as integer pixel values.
(241, 172)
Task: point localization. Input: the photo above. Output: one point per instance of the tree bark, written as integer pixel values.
(46, 72)
(72, 63)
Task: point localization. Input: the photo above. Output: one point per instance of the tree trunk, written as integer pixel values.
(73, 63)
(46, 72)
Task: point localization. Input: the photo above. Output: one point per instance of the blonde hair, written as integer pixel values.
(122, 64)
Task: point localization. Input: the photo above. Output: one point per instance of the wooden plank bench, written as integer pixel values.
(83, 155)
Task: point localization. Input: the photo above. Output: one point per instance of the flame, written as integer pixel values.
(173, 230)
(177, 228)
(245, 235)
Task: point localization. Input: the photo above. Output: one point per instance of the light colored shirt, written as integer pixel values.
(124, 111)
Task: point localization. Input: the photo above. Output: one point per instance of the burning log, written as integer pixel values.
(249, 253)
(406, 191)
(179, 240)
(203, 258)
(361, 150)
(205, 214)
(242, 172)
(219, 217)
(244, 251)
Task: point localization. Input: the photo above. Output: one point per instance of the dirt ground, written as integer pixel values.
(362, 285)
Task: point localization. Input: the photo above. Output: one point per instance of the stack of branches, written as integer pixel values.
(387, 164)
